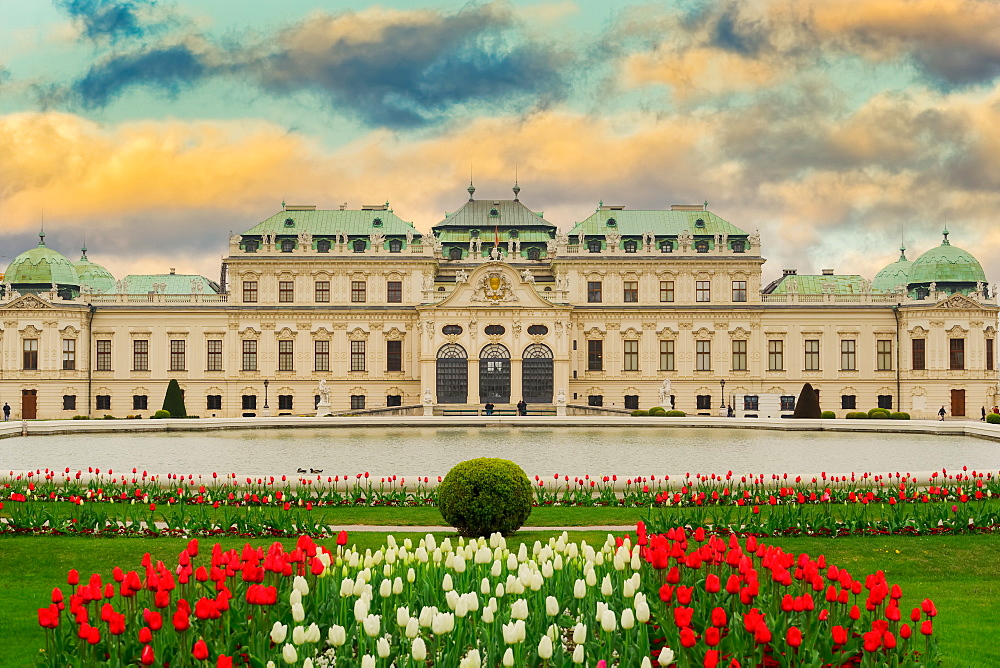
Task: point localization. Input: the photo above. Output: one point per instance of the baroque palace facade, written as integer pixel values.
(627, 309)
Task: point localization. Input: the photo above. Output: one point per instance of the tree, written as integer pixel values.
(173, 401)
(808, 404)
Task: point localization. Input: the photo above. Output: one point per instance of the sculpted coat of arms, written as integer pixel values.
(494, 287)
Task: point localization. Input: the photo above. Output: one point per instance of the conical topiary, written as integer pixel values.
(173, 401)
(808, 404)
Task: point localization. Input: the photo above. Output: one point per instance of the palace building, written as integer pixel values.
(624, 309)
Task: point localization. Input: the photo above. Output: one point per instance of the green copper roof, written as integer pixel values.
(93, 275)
(174, 284)
(812, 284)
(946, 264)
(893, 275)
(661, 223)
(41, 266)
(486, 215)
(325, 223)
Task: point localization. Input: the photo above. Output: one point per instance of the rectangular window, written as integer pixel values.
(214, 359)
(631, 291)
(848, 401)
(177, 361)
(667, 356)
(666, 291)
(103, 402)
(69, 354)
(140, 355)
(286, 292)
(776, 355)
(250, 355)
(848, 358)
(249, 402)
(632, 401)
(214, 402)
(393, 355)
(284, 402)
(788, 403)
(956, 353)
(703, 355)
(917, 348)
(703, 291)
(751, 402)
(359, 291)
(594, 292)
(140, 402)
(739, 291)
(812, 355)
(357, 355)
(595, 399)
(357, 402)
(989, 355)
(249, 292)
(393, 400)
(885, 401)
(703, 402)
(322, 291)
(394, 292)
(739, 355)
(69, 402)
(883, 351)
(104, 355)
(631, 361)
(595, 355)
(321, 357)
(286, 355)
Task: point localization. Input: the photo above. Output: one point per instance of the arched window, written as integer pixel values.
(289, 222)
(455, 253)
(536, 374)
(701, 246)
(666, 247)
(700, 223)
(323, 246)
(534, 254)
(395, 246)
(594, 245)
(630, 245)
(452, 374)
(287, 246)
(359, 245)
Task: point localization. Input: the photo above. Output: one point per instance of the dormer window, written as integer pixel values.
(630, 246)
(666, 247)
(700, 223)
(701, 246)
(611, 222)
(494, 213)
(359, 245)
(534, 254)
(474, 234)
(455, 253)
(594, 246)
(287, 246)
(323, 246)
(512, 234)
(395, 246)
(377, 222)
(289, 222)
(251, 246)
(739, 246)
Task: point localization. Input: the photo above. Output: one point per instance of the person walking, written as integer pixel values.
(983, 419)
(489, 407)
(941, 413)
(6, 412)
(522, 407)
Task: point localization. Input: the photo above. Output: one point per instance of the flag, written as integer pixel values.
(496, 236)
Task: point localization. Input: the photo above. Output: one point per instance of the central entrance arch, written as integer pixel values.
(494, 374)
(452, 374)
(536, 374)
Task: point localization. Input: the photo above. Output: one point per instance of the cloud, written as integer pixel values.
(111, 19)
(168, 70)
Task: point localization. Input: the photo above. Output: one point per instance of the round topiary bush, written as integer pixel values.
(639, 413)
(657, 410)
(828, 415)
(675, 413)
(878, 414)
(899, 416)
(161, 414)
(483, 496)
(993, 418)
(857, 415)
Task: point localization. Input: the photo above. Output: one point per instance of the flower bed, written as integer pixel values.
(677, 598)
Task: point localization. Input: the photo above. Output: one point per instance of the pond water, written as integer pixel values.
(432, 451)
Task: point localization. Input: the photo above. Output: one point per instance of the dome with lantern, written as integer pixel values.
(41, 268)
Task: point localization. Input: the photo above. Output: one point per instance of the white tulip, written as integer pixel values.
(446, 583)
(427, 616)
(606, 588)
(411, 575)
(298, 612)
(421, 554)
(509, 633)
(294, 597)
(536, 581)
(519, 609)
(300, 585)
(397, 586)
(511, 562)
(488, 615)
(418, 650)
(641, 610)
(288, 654)
(368, 661)
(591, 577)
(312, 633)
(608, 622)
(579, 589)
(628, 591)
(444, 622)
(382, 647)
(298, 635)
(496, 569)
(557, 562)
(578, 654)
(471, 601)
(666, 657)
(402, 616)
(545, 648)
(361, 608)
(646, 663)
(461, 607)
(520, 628)
(412, 628)
(459, 564)
(372, 625)
(628, 618)
(551, 606)
(385, 589)
(499, 591)
(580, 633)
(346, 587)
(308, 663)
(336, 636)
(508, 658)
(451, 598)
(471, 660)
(278, 633)
(270, 664)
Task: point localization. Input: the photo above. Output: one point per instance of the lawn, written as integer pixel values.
(957, 572)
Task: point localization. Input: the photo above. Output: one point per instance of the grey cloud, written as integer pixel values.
(167, 69)
(114, 19)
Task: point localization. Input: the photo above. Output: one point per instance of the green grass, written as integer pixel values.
(957, 572)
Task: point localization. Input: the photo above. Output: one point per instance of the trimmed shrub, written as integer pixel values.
(993, 418)
(674, 413)
(81, 417)
(483, 496)
(828, 415)
(161, 414)
(173, 401)
(657, 410)
(109, 417)
(857, 415)
(899, 416)
(639, 413)
(878, 414)
(808, 404)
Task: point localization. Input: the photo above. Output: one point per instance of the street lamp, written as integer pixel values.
(267, 410)
(722, 385)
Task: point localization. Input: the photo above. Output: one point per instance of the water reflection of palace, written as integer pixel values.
(494, 305)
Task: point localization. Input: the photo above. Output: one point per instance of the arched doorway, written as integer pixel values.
(536, 374)
(494, 374)
(452, 374)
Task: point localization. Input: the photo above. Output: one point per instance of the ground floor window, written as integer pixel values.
(69, 402)
(885, 401)
(632, 401)
(394, 400)
(140, 402)
(214, 402)
(284, 402)
(751, 402)
(788, 403)
(848, 401)
(249, 402)
(103, 402)
(357, 401)
(595, 400)
(704, 402)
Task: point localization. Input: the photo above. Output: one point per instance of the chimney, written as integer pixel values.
(789, 272)
(172, 270)
(828, 272)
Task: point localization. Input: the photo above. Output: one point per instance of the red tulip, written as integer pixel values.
(342, 538)
(146, 657)
(839, 635)
(926, 627)
(905, 632)
(224, 661)
(928, 607)
(712, 636)
(793, 637)
(682, 616)
(712, 584)
(182, 622)
(145, 635)
(688, 637)
(73, 577)
(200, 650)
(719, 617)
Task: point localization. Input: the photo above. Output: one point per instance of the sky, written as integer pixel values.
(151, 129)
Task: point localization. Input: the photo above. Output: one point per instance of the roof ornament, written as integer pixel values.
(41, 237)
(471, 189)
(902, 252)
(945, 233)
(516, 188)
(282, 205)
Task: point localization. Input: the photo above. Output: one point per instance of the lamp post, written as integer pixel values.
(722, 408)
(267, 410)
